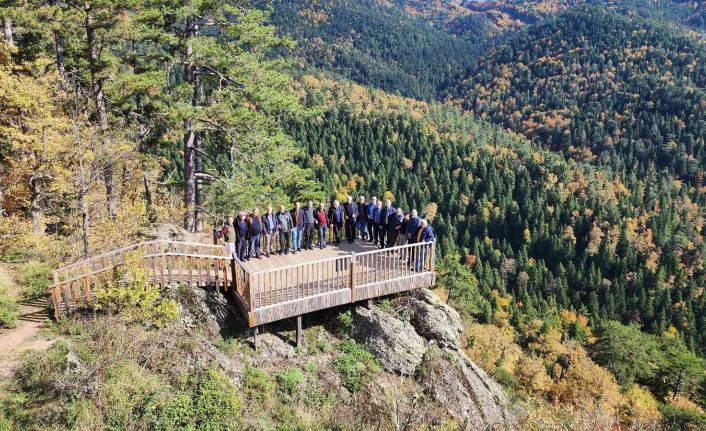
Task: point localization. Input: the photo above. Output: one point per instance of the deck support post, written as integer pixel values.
(299, 331)
(255, 330)
(369, 303)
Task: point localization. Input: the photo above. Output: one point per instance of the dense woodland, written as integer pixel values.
(597, 86)
(558, 150)
(376, 45)
(555, 236)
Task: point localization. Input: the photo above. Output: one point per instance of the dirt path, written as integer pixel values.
(24, 336)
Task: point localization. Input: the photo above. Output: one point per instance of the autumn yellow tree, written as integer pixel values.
(34, 130)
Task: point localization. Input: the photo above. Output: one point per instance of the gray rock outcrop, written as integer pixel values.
(427, 347)
(271, 346)
(209, 310)
(434, 320)
(394, 343)
(468, 393)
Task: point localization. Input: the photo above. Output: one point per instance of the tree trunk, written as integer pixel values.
(101, 112)
(83, 207)
(142, 139)
(59, 46)
(198, 209)
(9, 33)
(149, 202)
(190, 135)
(35, 208)
(189, 177)
(677, 386)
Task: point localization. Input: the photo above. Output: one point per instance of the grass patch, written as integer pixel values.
(258, 385)
(289, 381)
(345, 323)
(355, 365)
(386, 306)
(9, 309)
(35, 279)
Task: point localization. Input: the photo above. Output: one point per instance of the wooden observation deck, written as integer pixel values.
(266, 289)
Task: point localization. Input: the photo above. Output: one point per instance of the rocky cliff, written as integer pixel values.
(415, 342)
(421, 340)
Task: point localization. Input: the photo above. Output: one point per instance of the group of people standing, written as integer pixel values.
(252, 235)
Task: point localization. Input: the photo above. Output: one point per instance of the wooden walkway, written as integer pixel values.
(267, 289)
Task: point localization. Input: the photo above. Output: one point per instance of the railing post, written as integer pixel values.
(432, 263)
(351, 275)
(251, 291)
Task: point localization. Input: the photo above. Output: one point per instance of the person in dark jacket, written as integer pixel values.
(309, 225)
(255, 231)
(335, 221)
(385, 213)
(377, 212)
(370, 210)
(412, 227)
(403, 229)
(394, 225)
(424, 234)
(269, 221)
(241, 235)
(321, 220)
(285, 225)
(298, 219)
(361, 222)
(350, 212)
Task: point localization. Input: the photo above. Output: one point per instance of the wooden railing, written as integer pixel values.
(166, 262)
(262, 296)
(293, 290)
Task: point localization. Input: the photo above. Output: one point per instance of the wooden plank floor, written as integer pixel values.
(305, 256)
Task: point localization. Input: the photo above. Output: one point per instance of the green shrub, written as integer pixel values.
(320, 346)
(15, 255)
(35, 278)
(128, 295)
(355, 365)
(128, 391)
(386, 305)
(317, 342)
(505, 378)
(290, 380)
(9, 310)
(84, 414)
(5, 423)
(216, 403)
(176, 412)
(257, 385)
(290, 418)
(38, 371)
(345, 323)
(232, 346)
(680, 418)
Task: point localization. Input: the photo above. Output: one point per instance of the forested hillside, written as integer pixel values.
(556, 236)
(600, 87)
(419, 48)
(377, 44)
(557, 148)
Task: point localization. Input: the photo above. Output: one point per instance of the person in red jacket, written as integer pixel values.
(321, 222)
